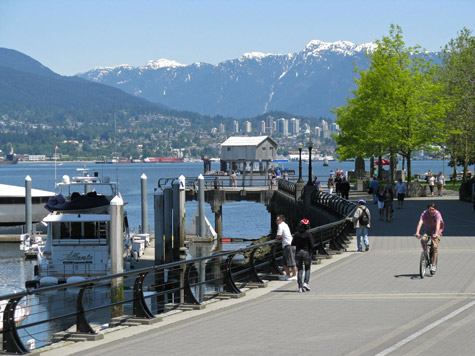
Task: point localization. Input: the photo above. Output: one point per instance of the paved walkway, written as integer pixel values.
(370, 303)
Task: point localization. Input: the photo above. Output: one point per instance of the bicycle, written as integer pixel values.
(426, 258)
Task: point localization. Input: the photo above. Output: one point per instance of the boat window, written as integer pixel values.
(80, 230)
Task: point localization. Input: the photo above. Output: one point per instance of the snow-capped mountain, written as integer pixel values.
(309, 82)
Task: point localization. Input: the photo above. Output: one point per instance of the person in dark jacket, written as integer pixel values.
(304, 246)
(345, 188)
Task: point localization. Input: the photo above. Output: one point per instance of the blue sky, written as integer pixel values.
(71, 37)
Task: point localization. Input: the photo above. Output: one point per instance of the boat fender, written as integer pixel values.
(32, 284)
(75, 279)
(135, 256)
(48, 281)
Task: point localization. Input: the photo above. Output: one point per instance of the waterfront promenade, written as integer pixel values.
(370, 303)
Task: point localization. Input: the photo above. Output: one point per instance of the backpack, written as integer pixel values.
(364, 219)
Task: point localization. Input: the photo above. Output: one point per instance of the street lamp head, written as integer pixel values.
(310, 144)
(300, 145)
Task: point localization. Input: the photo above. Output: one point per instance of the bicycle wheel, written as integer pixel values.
(423, 264)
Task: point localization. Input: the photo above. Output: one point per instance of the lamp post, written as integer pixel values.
(309, 146)
(300, 146)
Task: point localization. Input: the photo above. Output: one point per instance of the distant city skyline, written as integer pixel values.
(70, 37)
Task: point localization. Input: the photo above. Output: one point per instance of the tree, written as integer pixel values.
(458, 77)
(397, 107)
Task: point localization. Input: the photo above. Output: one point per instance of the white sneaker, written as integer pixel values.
(306, 287)
(433, 268)
(286, 278)
(294, 278)
(301, 290)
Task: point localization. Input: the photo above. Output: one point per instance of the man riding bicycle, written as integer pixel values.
(433, 225)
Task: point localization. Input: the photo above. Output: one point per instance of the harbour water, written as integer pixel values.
(240, 220)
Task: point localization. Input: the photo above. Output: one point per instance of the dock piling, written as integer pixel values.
(28, 206)
(143, 186)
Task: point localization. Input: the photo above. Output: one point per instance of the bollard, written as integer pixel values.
(176, 220)
(158, 207)
(28, 207)
(168, 222)
(117, 251)
(143, 186)
(201, 205)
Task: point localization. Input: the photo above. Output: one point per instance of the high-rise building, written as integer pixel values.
(221, 128)
(283, 127)
(335, 127)
(263, 126)
(247, 127)
(294, 128)
(235, 127)
(270, 124)
(318, 131)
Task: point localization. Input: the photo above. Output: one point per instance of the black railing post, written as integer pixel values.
(140, 308)
(11, 341)
(82, 325)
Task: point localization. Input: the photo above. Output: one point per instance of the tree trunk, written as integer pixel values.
(409, 170)
(380, 167)
(465, 159)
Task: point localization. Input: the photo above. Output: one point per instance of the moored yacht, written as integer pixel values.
(12, 204)
(79, 232)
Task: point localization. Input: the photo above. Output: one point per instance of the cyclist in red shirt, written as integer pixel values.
(433, 223)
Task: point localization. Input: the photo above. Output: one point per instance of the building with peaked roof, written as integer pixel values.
(255, 149)
(239, 151)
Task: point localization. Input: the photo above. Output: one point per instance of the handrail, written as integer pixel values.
(173, 280)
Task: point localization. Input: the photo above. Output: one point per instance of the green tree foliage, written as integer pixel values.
(458, 77)
(397, 107)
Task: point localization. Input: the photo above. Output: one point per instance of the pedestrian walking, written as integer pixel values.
(401, 189)
(304, 246)
(388, 201)
(361, 222)
(440, 184)
(380, 196)
(373, 188)
(345, 188)
(338, 183)
(431, 181)
(317, 184)
(330, 185)
(283, 234)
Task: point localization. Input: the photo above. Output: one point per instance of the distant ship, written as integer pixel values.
(10, 158)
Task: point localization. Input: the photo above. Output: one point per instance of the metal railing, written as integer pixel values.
(148, 292)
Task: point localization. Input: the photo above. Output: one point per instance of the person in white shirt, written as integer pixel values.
(283, 234)
(401, 192)
(440, 184)
(431, 181)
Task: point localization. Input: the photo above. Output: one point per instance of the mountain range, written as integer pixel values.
(309, 83)
(26, 84)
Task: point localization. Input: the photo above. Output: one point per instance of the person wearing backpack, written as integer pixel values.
(361, 221)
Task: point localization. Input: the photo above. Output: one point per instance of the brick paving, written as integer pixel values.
(370, 303)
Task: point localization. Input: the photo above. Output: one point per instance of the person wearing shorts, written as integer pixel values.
(283, 234)
(401, 192)
(433, 223)
(380, 197)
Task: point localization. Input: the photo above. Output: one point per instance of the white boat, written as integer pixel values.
(31, 245)
(78, 239)
(12, 204)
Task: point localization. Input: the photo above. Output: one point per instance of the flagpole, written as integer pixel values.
(55, 149)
